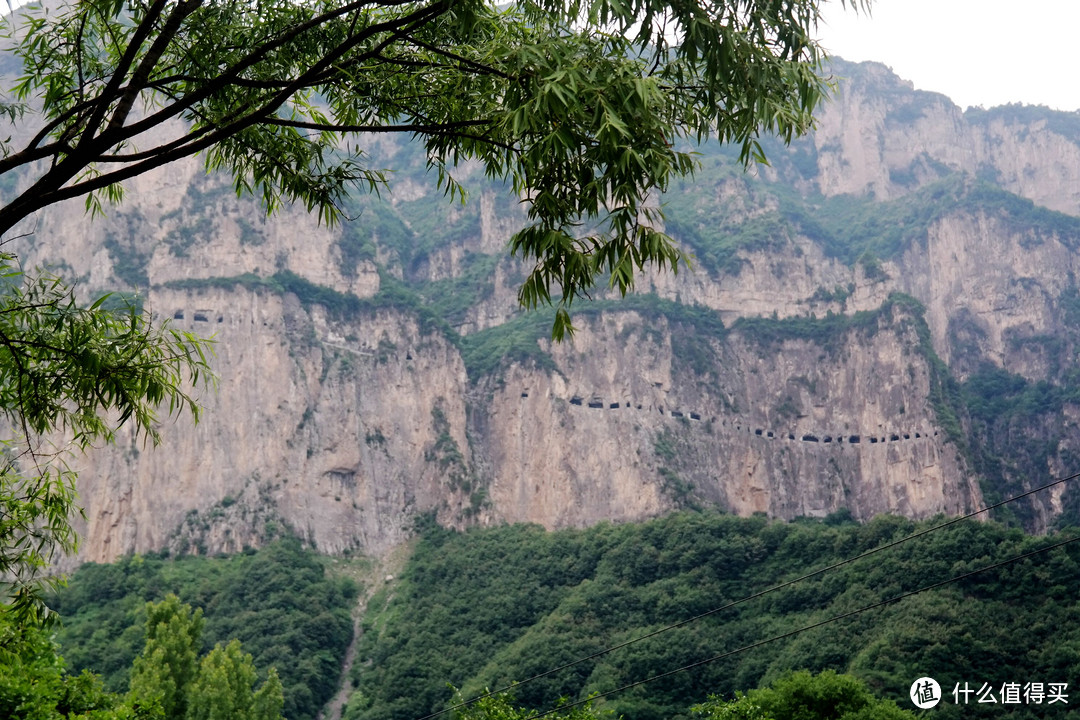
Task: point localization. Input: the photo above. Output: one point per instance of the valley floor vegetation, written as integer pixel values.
(272, 613)
(491, 607)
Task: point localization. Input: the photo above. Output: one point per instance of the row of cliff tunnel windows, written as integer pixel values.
(599, 404)
(197, 316)
(203, 316)
(851, 439)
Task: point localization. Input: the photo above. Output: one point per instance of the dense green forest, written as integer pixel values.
(487, 608)
(490, 607)
(279, 602)
(256, 596)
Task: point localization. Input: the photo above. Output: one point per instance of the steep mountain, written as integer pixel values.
(882, 320)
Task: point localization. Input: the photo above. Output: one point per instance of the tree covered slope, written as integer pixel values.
(488, 608)
(280, 602)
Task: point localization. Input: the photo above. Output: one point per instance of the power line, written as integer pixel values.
(748, 598)
(792, 633)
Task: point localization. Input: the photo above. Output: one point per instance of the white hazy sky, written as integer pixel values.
(978, 52)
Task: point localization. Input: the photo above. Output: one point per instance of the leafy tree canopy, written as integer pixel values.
(168, 665)
(804, 696)
(279, 601)
(70, 375)
(168, 680)
(493, 607)
(579, 105)
(219, 687)
(33, 683)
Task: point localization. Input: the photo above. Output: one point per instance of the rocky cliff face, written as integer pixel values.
(347, 430)
(879, 135)
(644, 415)
(378, 371)
(332, 427)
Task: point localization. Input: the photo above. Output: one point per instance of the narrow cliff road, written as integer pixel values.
(381, 572)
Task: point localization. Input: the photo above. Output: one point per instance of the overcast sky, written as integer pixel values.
(978, 52)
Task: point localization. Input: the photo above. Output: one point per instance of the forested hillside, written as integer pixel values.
(279, 602)
(488, 608)
(492, 607)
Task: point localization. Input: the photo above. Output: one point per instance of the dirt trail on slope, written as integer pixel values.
(371, 581)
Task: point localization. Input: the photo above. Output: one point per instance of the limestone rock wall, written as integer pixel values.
(326, 426)
(789, 429)
(348, 429)
(879, 135)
